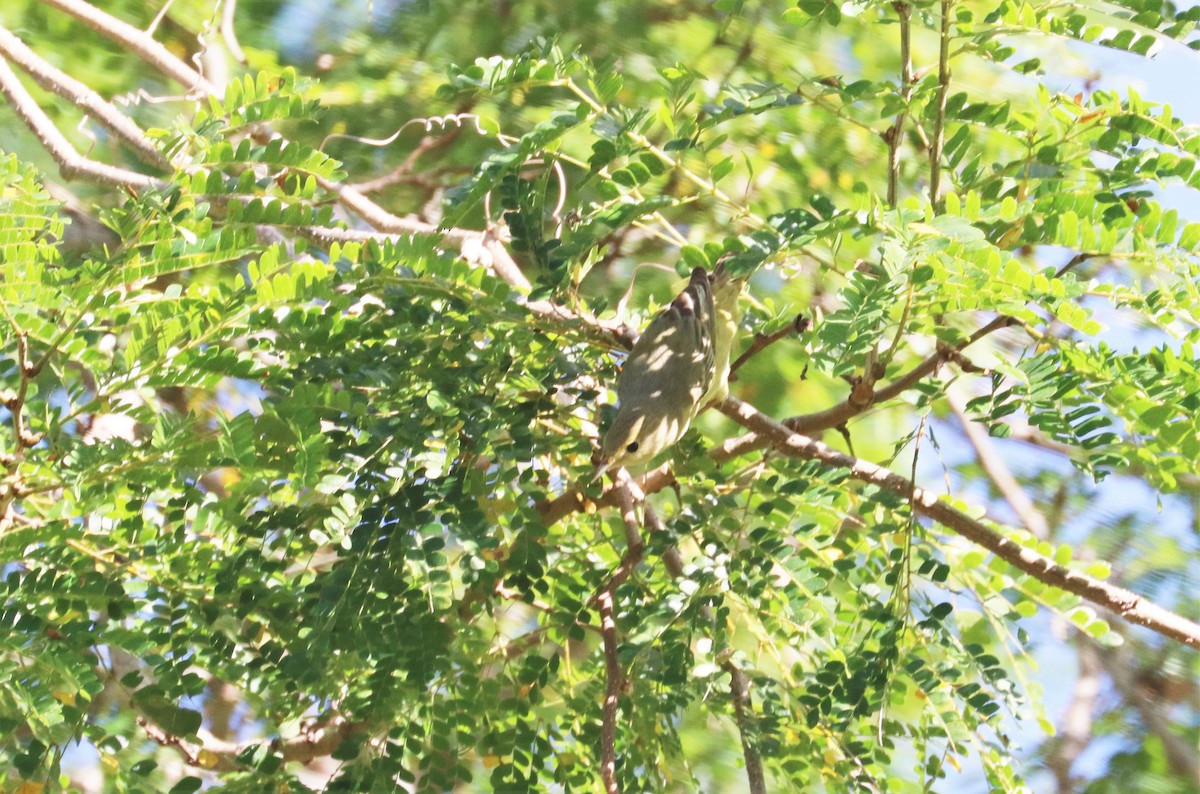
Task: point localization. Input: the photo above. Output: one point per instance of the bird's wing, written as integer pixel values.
(675, 350)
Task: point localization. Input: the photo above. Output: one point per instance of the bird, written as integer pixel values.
(664, 379)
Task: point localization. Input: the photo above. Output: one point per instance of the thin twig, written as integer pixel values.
(859, 402)
(998, 472)
(229, 33)
(763, 341)
(672, 560)
(190, 752)
(939, 120)
(1023, 432)
(159, 17)
(895, 134)
(379, 218)
(316, 740)
(404, 171)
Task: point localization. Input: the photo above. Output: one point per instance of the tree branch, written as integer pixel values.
(739, 688)
(860, 401)
(403, 171)
(55, 80)
(138, 42)
(1077, 719)
(1026, 434)
(739, 682)
(612, 691)
(938, 144)
(615, 682)
(229, 33)
(763, 341)
(998, 472)
(895, 133)
(317, 740)
(1127, 605)
(475, 244)
(193, 754)
(560, 507)
(70, 162)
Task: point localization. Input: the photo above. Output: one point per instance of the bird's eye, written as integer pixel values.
(632, 447)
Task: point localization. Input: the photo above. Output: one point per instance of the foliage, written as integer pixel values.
(241, 455)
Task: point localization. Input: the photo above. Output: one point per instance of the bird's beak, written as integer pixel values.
(601, 467)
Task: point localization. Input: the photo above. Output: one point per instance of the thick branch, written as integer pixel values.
(613, 675)
(560, 507)
(838, 415)
(59, 82)
(138, 42)
(1129, 606)
(739, 688)
(72, 164)
(316, 741)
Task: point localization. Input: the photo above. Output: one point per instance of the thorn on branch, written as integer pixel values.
(844, 431)
(955, 356)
